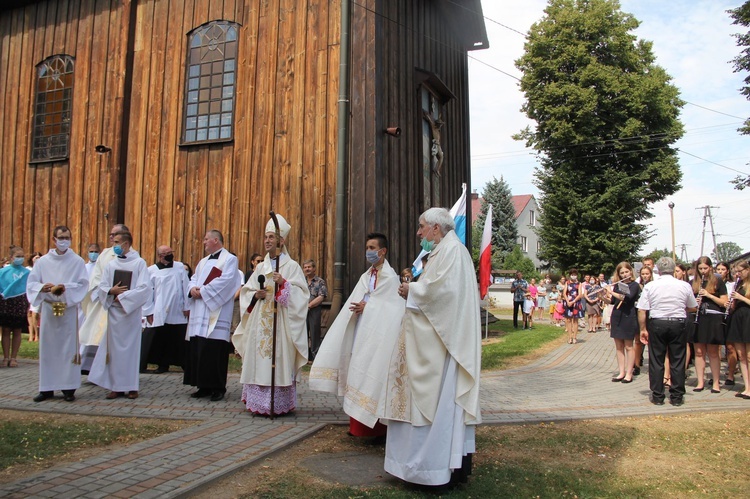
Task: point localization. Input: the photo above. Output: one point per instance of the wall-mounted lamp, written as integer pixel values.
(393, 131)
(101, 149)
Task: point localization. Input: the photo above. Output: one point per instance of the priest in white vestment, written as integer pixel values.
(433, 381)
(94, 322)
(353, 359)
(254, 336)
(115, 365)
(211, 302)
(167, 314)
(56, 286)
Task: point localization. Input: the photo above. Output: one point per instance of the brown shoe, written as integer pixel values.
(132, 395)
(114, 395)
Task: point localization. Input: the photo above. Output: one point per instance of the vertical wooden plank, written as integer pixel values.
(155, 194)
(5, 160)
(32, 227)
(25, 93)
(243, 185)
(44, 172)
(8, 161)
(90, 163)
(60, 171)
(301, 218)
(197, 171)
(263, 164)
(331, 97)
(171, 101)
(310, 195)
(322, 117)
(282, 121)
(181, 239)
(135, 211)
(357, 165)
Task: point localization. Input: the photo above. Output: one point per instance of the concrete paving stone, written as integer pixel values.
(572, 382)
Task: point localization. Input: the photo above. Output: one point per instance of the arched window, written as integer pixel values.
(210, 83)
(50, 135)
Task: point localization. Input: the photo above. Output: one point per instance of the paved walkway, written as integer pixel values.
(572, 382)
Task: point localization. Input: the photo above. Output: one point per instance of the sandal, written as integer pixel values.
(12, 363)
(5, 363)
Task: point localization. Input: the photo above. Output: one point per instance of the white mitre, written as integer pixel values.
(284, 227)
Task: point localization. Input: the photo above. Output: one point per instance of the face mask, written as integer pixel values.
(372, 256)
(427, 245)
(18, 261)
(93, 255)
(117, 249)
(62, 245)
(169, 258)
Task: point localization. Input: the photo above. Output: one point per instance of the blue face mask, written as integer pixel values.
(372, 256)
(427, 245)
(93, 255)
(117, 249)
(18, 261)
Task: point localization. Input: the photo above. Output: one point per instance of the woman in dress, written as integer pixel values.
(14, 306)
(573, 303)
(623, 295)
(593, 309)
(722, 268)
(707, 332)
(739, 326)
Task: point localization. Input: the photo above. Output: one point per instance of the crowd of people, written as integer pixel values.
(403, 351)
(706, 313)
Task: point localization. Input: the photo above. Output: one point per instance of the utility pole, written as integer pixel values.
(707, 215)
(683, 253)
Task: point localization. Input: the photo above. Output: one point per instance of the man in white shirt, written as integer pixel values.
(667, 302)
(124, 289)
(56, 285)
(166, 315)
(354, 357)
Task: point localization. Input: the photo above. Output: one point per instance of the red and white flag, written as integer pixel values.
(485, 256)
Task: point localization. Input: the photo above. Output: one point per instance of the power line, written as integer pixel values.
(712, 162)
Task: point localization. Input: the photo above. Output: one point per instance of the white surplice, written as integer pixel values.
(433, 384)
(355, 354)
(58, 335)
(170, 295)
(211, 315)
(118, 371)
(253, 338)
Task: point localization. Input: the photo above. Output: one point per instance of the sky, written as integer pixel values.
(693, 42)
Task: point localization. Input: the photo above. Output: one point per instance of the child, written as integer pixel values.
(552, 296)
(528, 310)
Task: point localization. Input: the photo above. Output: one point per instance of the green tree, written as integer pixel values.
(606, 118)
(725, 251)
(504, 230)
(741, 16)
(515, 260)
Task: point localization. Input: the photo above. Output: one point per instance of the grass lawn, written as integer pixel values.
(506, 344)
(704, 454)
(30, 441)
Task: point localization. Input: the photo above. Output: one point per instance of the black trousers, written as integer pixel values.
(663, 336)
(313, 329)
(516, 305)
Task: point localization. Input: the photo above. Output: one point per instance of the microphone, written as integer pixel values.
(262, 281)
